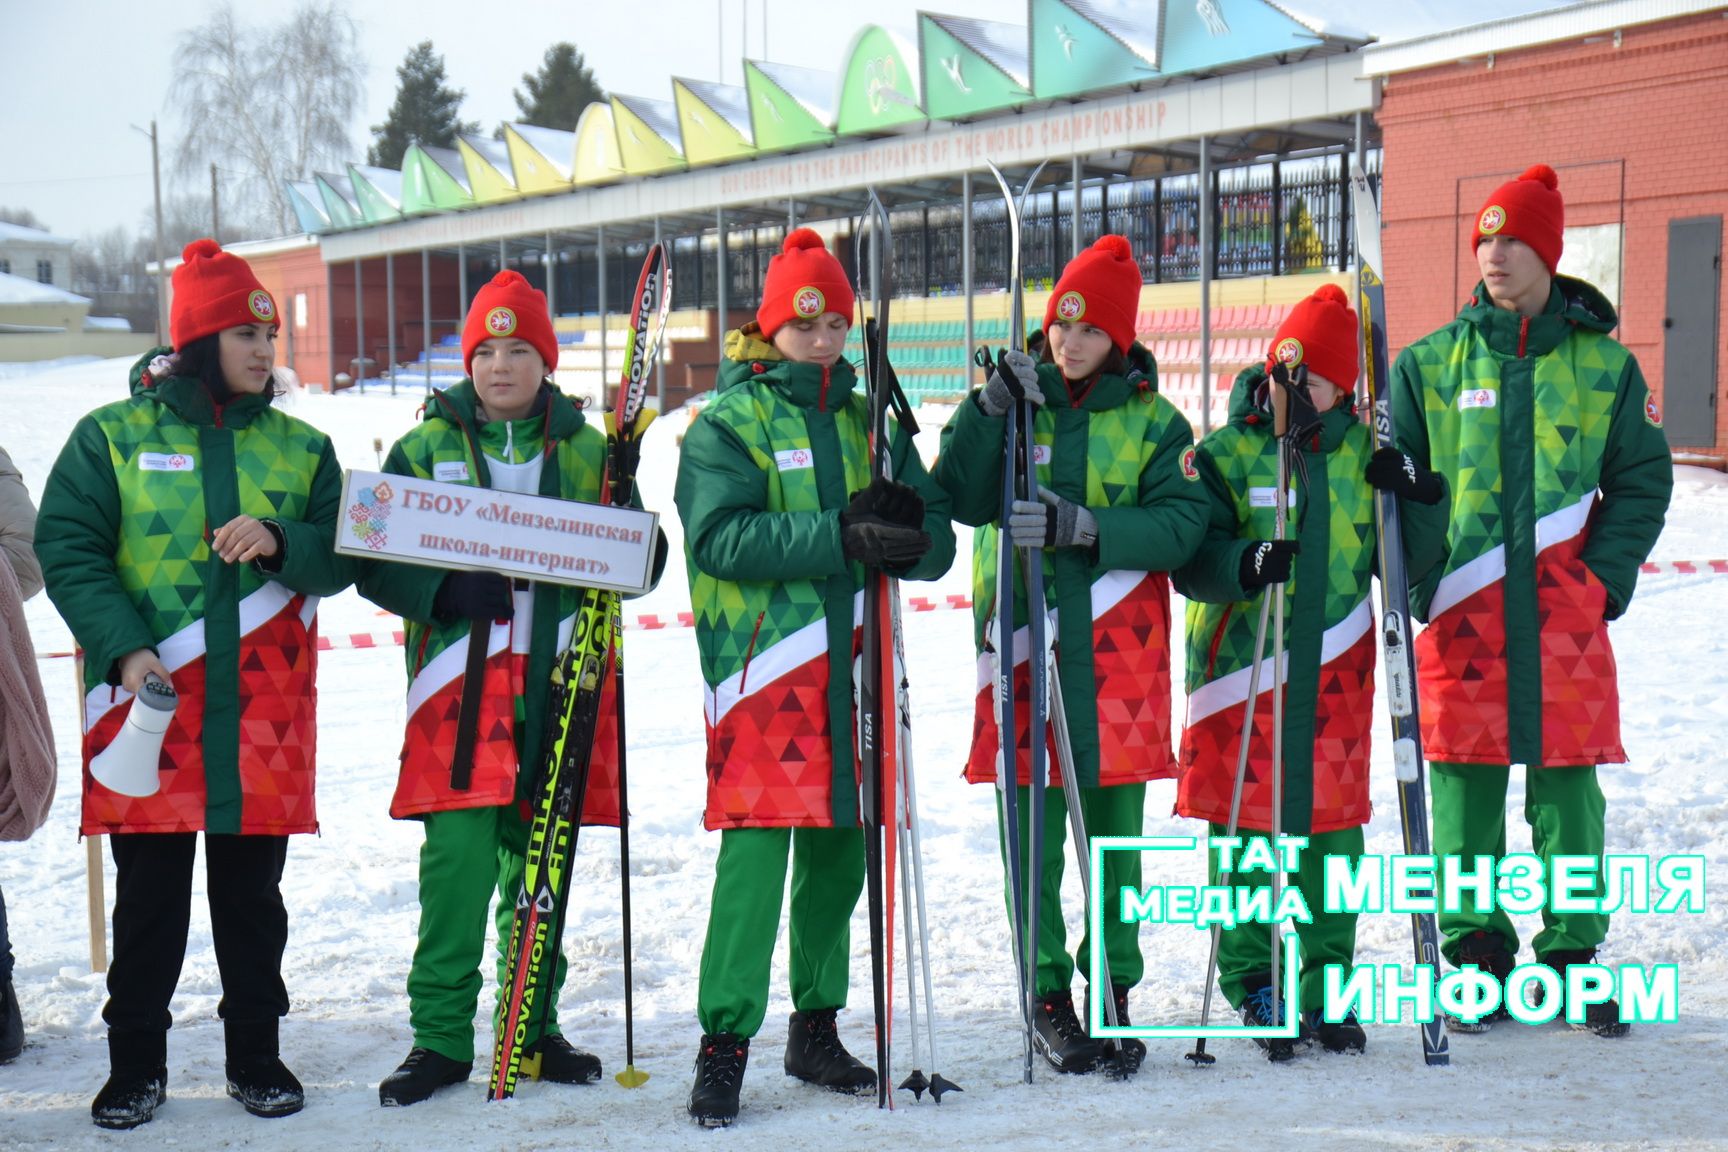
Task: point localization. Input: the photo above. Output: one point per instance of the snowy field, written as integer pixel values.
(352, 900)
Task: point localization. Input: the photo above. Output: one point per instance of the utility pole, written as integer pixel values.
(161, 272)
(215, 209)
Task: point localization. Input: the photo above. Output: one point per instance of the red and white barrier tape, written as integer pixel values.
(652, 623)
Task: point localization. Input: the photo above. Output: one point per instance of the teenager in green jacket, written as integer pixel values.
(1560, 476)
(185, 534)
(781, 517)
(1121, 506)
(505, 427)
(1325, 560)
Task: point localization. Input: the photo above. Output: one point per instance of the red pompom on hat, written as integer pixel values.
(1320, 332)
(1100, 287)
(803, 282)
(214, 290)
(509, 306)
(1528, 209)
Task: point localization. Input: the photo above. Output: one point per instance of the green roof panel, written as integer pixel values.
(789, 106)
(971, 66)
(1080, 47)
(880, 85)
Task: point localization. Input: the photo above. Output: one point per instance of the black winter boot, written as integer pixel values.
(1344, 1036)
(1059, 1038)
(11, 1023)
(562, 1062)
(1489, 953)
(1602, 1019)
(815, 1055)
(423, 1073)
(1262, 1009)
(1133, 1049)
(719, 1075)
(137, 1083)
(256, 1075)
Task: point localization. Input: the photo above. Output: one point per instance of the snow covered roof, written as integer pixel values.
(18, 290)
(18, 234)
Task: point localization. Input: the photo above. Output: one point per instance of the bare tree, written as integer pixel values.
(22, 217)
(272, 103)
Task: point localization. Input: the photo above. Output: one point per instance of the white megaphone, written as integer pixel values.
(130, 763)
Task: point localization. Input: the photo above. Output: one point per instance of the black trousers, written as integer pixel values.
(152, 911)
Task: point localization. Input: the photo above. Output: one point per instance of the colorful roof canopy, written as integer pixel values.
(959, 69)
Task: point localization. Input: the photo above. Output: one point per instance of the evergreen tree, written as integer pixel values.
(426, 110)
(1303, 248)
(557, 94)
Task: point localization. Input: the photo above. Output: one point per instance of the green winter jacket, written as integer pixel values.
(452, 445)
(1127, 454)
(765, 472)
(123, 536)
(1328, 622)
(1560, 479)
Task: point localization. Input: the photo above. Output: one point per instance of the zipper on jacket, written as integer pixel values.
(1217, 642)
(750, 651)
(822, 400)
(1523, 335)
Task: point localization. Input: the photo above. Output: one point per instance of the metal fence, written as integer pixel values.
(1269, 219)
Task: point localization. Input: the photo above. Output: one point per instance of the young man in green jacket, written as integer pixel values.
(1552, 447)
(781, 517)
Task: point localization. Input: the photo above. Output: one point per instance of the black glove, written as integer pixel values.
(893, 501)
(1267, 562)
(1393, 471)
(867, 537)
(473, 596)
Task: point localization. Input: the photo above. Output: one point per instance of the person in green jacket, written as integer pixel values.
(186, 535)
(1325, 560)
(1121, 506)
(1560, 476)
(505, 427)
(781, 517)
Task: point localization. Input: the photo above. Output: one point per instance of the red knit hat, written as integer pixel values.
(1528, 209)
(214, 290)
(1320, 332)
(803, 282)
(509, 306)
(1100, 287)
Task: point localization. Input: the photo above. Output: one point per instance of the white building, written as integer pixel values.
(33, 254)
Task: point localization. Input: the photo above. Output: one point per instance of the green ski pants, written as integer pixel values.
(744, 922)
(1245, 951)
(468, 854)
(1566, 813)
(1114, 811)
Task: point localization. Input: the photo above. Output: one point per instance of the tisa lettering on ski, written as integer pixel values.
(456, 526)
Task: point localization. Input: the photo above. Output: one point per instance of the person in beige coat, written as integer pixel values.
(26, 744)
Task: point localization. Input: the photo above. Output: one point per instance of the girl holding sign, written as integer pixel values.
(505, 427)
(185, 537)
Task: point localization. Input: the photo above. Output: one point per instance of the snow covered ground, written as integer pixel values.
(352, 898)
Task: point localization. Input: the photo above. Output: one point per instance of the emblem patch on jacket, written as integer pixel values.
(794, 459)
(166, 462)
(1477, 398)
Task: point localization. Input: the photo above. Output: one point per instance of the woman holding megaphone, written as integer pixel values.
(185, 536)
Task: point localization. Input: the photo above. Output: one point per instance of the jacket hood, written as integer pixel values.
(752, 360)
(1572, 303)
(1251, 409)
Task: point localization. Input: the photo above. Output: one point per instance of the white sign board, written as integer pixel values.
(388, 517)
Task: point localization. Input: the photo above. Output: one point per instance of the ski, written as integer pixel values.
(578, 680)
(1396, 635)
(1020, 482)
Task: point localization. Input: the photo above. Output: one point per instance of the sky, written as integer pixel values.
(78, 75)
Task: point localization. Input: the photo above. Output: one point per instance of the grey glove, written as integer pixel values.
(1051, 522)
(1020, 383)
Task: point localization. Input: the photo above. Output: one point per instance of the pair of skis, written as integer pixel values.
(595, 647)
(888, 806)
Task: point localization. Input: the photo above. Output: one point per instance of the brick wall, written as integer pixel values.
(1639, 129)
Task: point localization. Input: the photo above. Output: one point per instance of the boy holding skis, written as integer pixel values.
(1325, 559)
(1561, 476)
(507, 428)
(780, 519)
(1120, 506)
